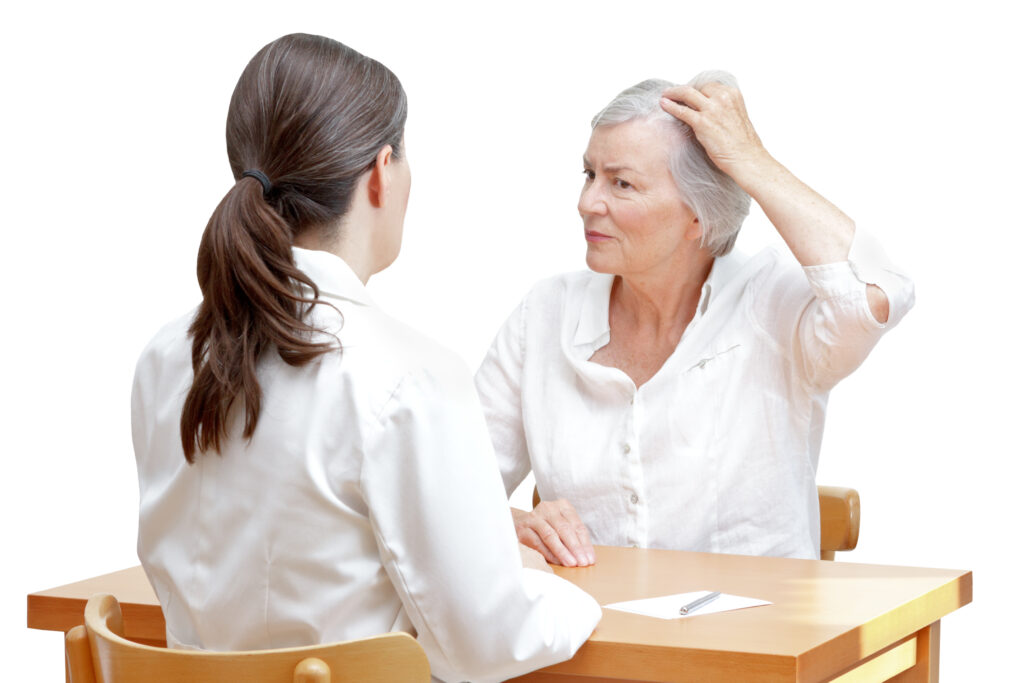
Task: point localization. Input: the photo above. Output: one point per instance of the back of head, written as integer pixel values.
(311, 114)
(306, 120)
(719, 203)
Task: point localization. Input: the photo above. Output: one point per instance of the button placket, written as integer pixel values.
(630, 454)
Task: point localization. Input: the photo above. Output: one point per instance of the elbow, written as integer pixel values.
(889, 305)
(878, 303)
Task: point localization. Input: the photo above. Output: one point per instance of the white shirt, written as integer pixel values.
(718, 451)
(367, 501)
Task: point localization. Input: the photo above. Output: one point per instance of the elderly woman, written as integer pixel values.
(675, 396)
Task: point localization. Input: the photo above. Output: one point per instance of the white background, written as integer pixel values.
(906, 115)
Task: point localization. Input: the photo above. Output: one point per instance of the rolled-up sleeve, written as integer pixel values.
(825, 315)
(446, 537)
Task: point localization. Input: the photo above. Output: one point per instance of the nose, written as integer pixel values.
(591, 201)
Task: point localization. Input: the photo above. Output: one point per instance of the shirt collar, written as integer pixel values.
(593, 323)
(333, 277)
(723, 270)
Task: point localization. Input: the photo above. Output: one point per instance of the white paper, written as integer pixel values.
(667, 606)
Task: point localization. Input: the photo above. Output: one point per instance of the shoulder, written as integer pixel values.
(170, 345)
(556, 303)
(395, 362)
(745, 267)
(563, 284)
(163, 374)
(555, 296)
(401, 345)
(741, 275)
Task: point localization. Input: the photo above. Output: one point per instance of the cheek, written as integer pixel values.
(637, 221)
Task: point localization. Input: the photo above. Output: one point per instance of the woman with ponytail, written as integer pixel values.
(310, 469)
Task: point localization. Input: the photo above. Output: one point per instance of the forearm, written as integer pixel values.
(815, 230)
(490, 619)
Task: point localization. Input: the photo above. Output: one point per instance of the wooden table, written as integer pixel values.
(829, 621)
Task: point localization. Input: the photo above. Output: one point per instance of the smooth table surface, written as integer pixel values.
(825, 617)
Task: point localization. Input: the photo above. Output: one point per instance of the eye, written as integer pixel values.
(622, 184)
(590, 174)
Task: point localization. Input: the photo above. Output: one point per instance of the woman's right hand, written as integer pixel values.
(555, 531)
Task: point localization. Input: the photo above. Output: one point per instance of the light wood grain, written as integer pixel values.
(926, 670)
(826, 617)
(110, 658)
(840, 519)
(884, 666)
(61, 608)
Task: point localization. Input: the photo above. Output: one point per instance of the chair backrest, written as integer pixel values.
(98, 653)
(840, 518)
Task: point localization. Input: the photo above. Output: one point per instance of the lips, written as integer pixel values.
(595, 236)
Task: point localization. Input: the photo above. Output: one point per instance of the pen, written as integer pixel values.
(698, 603)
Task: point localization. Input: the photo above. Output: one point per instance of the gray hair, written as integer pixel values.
(720, 204)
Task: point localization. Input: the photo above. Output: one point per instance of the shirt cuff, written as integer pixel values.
(867, 264)
(872, 266)
(833, 280)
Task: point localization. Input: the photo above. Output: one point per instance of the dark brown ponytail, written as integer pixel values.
(311, 115)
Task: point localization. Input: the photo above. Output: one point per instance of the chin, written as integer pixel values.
(601, 264)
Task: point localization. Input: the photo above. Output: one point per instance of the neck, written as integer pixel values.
(349, 244)
(663, 303)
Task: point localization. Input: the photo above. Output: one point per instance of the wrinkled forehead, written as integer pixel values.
(642, 144)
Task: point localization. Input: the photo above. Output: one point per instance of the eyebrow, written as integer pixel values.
(610, 168)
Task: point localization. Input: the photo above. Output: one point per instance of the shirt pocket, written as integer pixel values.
(717, 356)
(702, 391)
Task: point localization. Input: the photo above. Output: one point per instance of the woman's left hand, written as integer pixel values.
(718, 117)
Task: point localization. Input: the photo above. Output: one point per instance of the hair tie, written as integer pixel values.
(260, 176)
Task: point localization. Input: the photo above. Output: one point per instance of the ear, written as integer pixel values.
(380, 177)
(693, 230)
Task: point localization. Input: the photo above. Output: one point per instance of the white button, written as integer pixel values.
(633, 498)
(631, 400)
(626, 448)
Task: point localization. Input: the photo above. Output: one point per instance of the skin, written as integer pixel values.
(369, 236)
(638, 228)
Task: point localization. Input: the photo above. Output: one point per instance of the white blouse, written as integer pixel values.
(367, 501)
(718, 451)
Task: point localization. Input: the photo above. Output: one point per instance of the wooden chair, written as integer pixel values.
(840, 518)
(97, 653)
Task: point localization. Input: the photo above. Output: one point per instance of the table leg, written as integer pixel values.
(67, 664)
(927, 668)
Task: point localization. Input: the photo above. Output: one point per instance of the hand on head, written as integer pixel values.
(719, 119)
